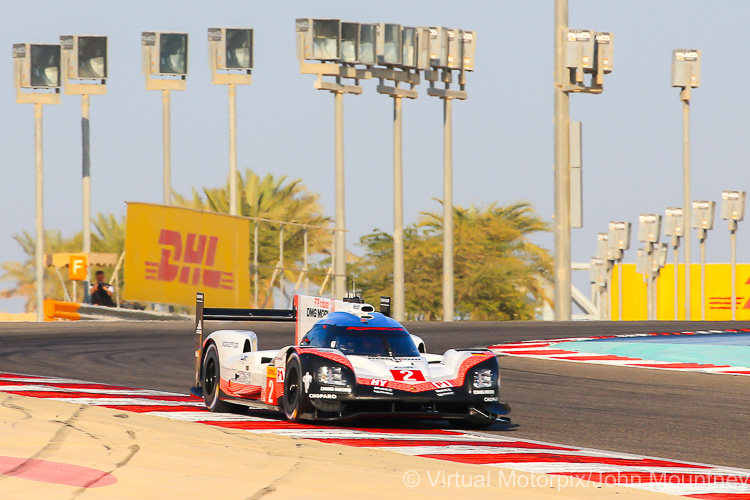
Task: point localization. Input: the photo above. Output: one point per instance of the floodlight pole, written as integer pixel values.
(448, 295)
(232, 149)
(231, 80)
(619, 290)
(685, 98)
(39, 251)
(339, 282)
(733, 264)
(676, 250)
(38, 99)
(447, 95)
(86, 184)
(397, 94)
(563, 304)
(398, 214)
(702, 233)
(255, 265)
(649, 260)
(167, 151)
(338, 89)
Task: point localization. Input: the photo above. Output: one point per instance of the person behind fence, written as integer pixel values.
(101, 292)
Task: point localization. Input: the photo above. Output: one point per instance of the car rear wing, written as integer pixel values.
(203, 313)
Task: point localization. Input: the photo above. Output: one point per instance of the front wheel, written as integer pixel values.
(211, 380)
(294, 400)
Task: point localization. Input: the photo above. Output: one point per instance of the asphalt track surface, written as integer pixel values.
(687, 416)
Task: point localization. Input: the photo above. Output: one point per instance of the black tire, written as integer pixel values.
(210, 379)
(469, 424)
(294, 401)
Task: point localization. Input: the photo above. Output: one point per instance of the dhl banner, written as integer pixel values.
(718, 298)
(172, 253)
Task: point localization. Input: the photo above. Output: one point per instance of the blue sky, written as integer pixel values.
(502, 133)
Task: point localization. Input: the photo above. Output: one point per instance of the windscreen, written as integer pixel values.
(362, 340)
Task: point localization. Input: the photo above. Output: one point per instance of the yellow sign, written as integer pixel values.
(718, 297)
(77, 268)
(171, 253)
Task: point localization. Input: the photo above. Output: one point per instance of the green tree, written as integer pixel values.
(108, 237)
(277, 199)
(498, 271)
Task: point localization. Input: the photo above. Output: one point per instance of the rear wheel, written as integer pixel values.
(211, 381)
(294, 401)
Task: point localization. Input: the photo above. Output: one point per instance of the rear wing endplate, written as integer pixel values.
(230, 314)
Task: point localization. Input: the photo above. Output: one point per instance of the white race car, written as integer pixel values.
(348, 362)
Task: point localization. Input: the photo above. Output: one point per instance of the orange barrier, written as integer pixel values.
(57, 309)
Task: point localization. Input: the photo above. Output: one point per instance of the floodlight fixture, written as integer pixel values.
(659, 258)
(649, 228)
(579, 54)
(455, 48)
(601, 245)
(173, 56)
(619, 235)
(674, 224)
(165, 59)
(86, 57)
(350, 43)
(230, 54)
(389, 44)
(468, 49)
(686, 68)
(702, 215)
(234, 48)
(598, 272)
(604, 47)
(733, 205)
(438, 47)
(409, 47)
(321, 39)
(40, 65)
(423, 48)
(367, 46)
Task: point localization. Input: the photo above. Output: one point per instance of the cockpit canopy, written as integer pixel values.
(364, 340)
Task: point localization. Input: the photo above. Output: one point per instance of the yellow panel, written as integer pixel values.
(717, 298)
(172, 253)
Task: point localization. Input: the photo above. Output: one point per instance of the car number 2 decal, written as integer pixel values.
(407, 375)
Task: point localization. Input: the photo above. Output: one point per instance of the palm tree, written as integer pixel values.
(272, 199)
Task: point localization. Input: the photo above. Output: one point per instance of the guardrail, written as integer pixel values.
(74, 311)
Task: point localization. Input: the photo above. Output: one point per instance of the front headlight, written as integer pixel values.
(330, 375)
(483, 378)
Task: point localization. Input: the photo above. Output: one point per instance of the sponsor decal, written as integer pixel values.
(408, 375)
(316, 313)
(444, 392)
(326, 388)
(271, 371)
(323, 396)
(382, 390)
(188, 258)
(306, 380)
(379, 382)
(483, 391)
(442, 384)
(234, 345)
(492, 399)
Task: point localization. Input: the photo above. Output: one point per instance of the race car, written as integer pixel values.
(348, 362)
